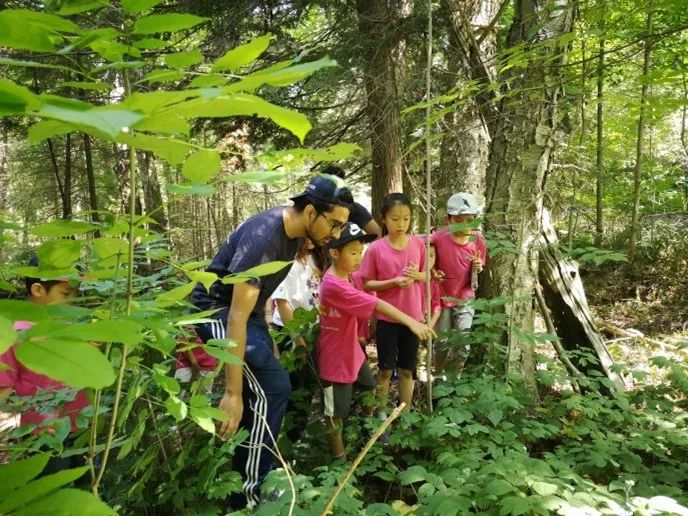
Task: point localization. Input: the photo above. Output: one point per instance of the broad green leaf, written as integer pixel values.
(45, 129)
(199, 401)
(296, 157)
(17, 473)
(264, 269)
(495, 415)
(204, 277)
(108, 330)
(31, 64)
(15, 99)
(72, 362)
(176, 407)
(221, 353)
(58, 254)
(168, 383)
(65, 503)
(175, 295)
(7, 334)
(205, 423)
(243, 54)
(208, 81)
(171, 22)
(278, 76)
(109, 121)
(263, 177)
(46, 21)
(170, 150)
(85, 85)
(514, 505)
(162, 76)
(167, 123)
(499, 487)
(47, 273)
(38, 488)
(63, 228)
(150, 44)
(183, 59)
(70, 7)
(23, 35)
(108, 33)
(109, 247)
(23, 311)
(113, 50)
(544, 488)
(137, 6)
(154, 101)
(413, 474)
(208, 412)
(201, 166)
(243, 104)
(191, 189)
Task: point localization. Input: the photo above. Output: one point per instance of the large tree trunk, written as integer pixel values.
(465, 145)
(152, 193)
(520, 156)
(4, 176)
(385, 65)
(599, 163)
(67, 199)
(640, 141)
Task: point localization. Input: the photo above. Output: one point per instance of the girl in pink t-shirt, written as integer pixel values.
(394, 267)
(341, 361)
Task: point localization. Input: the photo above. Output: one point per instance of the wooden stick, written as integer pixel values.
(381, 429)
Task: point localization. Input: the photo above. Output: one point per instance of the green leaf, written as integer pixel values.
(72, 362)
(38, 488)
(44, 20)
(162, 76)
(23, 35)
(70, 7)
(514, 505)
(201, 166)
(208, 81)
(108, 120)
(191, 189)
(204, 277)
(23, 311)
(109, 249)
(15, 99)
(243, 104)
(296, 157)
(176, 407)
(183, 59)
(137, 6)
(499, 487)
(495, 415)
(413, 474)
(264, 269)
(208, 412)
(544, 488)
(243, 54)
(172, 22)
(278, 76)
(63, 228)
(150, 44)
(263, 177)
(85, 85)
(199, 401)
(31, 64)
(167, 123)
(45, 129)
(108, 330)
(65, 503)
(170, 150)
(175, 295)
(7, 334)
(58, 254)
(167, 383)
(17, 473)
(218, 349)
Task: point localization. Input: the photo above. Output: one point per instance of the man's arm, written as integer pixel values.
(372, 228)
(244, 298)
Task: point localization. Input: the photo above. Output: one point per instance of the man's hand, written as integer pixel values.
(233, 406)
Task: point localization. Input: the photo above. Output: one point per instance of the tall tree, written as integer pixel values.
(385, 56)
(599, 163)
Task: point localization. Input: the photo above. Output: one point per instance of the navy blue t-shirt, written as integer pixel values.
(258, 240)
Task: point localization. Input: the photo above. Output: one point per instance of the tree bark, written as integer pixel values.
(91, 180)
(520, 157)
(4, 176)
(67, 204)
(638, 169)
(465, 146)
(599, 156)
(56, 173)
(384, 80)
(152, 193)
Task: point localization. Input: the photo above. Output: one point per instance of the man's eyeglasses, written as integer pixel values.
(335, 225)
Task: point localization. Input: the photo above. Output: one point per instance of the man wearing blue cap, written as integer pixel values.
(257, 391)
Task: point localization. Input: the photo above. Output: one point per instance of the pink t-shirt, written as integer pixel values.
(363, 323)
(26, 382)
(340, 357)
(455, 260)
(205, 361)
(382, 262)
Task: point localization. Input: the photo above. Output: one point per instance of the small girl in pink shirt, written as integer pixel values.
(394, 267)
(341, 361)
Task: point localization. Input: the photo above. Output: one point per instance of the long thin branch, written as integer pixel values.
(395, 414)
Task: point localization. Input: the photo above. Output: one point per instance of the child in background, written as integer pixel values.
(194, 363)
(341, 362)
(16, 378)
(394, 268)
(458, 253)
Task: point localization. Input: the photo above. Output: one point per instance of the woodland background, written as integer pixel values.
(576, 108)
